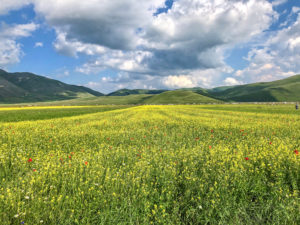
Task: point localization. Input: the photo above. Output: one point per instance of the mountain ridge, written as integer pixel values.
(287, 89)
(29, 87)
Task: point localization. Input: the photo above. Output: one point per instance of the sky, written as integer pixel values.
(113, 44)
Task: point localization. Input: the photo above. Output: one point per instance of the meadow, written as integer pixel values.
(206, 164)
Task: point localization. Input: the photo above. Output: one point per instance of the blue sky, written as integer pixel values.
(152, 44)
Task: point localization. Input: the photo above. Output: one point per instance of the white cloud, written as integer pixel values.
(230, 81)
(38, 44)
(192, 35)
(180, 81)
(278, 2)
(17, 31)
(10, 52)
(199, 78)
(276, 58)
(182, 47)
(8, 5)
(72, 47)
(10, 49)
(129, 61)
(295, 9)
(113, 24)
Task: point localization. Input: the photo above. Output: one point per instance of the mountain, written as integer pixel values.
(179, 97)
(124, 92)
(28, 87)
(276, 91)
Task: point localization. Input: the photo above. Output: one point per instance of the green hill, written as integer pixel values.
(28, 87)
(124, 92)
(102, 100)
(179, 97)
(277, 91)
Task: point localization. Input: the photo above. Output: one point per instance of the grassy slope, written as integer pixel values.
(124, 92)
(27, 87)
(179, 97)
(282, 90)
(103, 100)
(45, 113)
(169, 97)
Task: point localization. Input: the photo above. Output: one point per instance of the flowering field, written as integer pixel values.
(151, 165)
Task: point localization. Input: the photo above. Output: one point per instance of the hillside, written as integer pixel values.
(277, 91)
(28, 87)
(88, 101)
(179, 97)
(124, 92)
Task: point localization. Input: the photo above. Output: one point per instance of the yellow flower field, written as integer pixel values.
(152, 165)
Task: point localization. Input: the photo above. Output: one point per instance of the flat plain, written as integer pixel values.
(183, 164)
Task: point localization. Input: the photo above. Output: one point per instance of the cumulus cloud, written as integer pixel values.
(113, 24)
(279, 2)
(10, 52)
(10, 49)
(7, 5)
(278, 57)
(198, 78)
(185, 46)
(191, 35)
(17, 31)
(73, 47)
(230, 81)
(38, 44)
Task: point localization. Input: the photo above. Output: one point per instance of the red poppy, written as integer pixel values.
(86, 163)
(34, 170)
(270, 143)
(197, 138)
(210, 147)
(70, 157)
(30, 160)
(211, 130)
(246, 158)
(296, 152)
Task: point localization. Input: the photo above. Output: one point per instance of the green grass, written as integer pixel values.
(44, 113)
(257, 109)
(179, 97)
(103, 100)
(277, 91)
(169, 97)
(124, 92)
